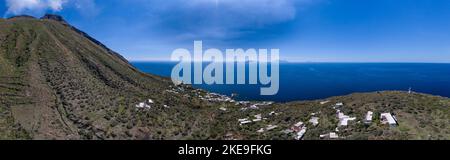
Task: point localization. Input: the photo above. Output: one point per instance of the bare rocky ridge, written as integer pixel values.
(57, 82)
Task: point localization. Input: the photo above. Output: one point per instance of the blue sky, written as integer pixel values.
(303, 30)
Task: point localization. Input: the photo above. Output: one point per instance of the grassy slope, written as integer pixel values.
(65, 86)
(57, 84)
(420, 117)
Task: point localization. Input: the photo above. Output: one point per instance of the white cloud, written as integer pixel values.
(246, 12)
(56, 5)
(222, 18)
(86, 8)
(16, 7)
(38, 7)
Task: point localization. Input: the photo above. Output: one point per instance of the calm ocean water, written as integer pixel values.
(309, 81)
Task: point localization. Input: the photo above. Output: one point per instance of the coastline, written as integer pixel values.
(311, 81)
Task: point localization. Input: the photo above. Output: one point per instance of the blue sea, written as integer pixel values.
(309, 81)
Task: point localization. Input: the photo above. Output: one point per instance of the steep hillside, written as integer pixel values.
(57, 82)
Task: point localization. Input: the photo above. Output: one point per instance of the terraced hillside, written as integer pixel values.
(56, 82)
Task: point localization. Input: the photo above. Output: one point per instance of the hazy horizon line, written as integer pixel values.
(286, 61)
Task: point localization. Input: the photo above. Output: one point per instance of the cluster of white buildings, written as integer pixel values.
(273, 113)
(385, 118)
(264, 103)
(255, 106)
(343, 121)
(300, 129)
(242, 103)
(176, 89)
(147, 104)
(214, 97)
(206, 96)
(257, 118)
(244, 121)
(172, 91)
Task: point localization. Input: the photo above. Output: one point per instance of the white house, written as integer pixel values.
(338, 105)
(245, 122)
(140, 105)
(388, 118)
(314, 121)
(260, 130)
(334, 135)
(324, 102)
(369, 117)
(272, 113)
(270, 127)
(299, 124)
(331, 135)
(297, 127)
(256, 120)
(254, 106)
(301, 133)
(343, 119)
(244, 119)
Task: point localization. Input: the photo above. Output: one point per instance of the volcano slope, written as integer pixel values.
(57, 82)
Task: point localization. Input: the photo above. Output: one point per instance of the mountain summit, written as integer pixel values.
(57, 82)
(54, 17)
